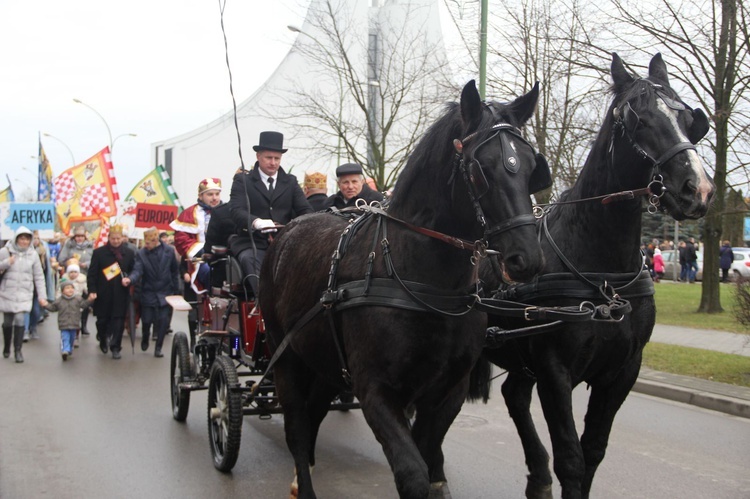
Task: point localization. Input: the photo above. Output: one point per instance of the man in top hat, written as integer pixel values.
(315, 188)
(274, 198)
(108, 284)
(352, 187)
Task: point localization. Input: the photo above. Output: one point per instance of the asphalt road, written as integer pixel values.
(93, 427)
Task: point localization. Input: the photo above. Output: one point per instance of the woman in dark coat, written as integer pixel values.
(726, 257)
(108, 285)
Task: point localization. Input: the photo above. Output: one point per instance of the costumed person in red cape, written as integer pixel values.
(189, 238)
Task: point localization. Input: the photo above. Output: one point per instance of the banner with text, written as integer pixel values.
(154, 215)
(34, 216)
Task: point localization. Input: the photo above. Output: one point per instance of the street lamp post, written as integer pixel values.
(295, 29)
(72, 158)
(109, 132)
(119, 136)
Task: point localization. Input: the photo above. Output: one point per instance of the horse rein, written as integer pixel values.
(460, 164)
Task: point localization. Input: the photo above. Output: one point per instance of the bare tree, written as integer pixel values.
(373, 90)
(711, 40)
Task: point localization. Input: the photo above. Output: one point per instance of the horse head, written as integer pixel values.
(654, 130)
(501, 170)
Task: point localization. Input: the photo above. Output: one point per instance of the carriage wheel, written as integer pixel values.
(224, 414)
(180, 371)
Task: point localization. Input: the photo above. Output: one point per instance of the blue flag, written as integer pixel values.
(46, 185)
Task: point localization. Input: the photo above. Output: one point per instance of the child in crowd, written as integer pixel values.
(68, 306)
(73, 274)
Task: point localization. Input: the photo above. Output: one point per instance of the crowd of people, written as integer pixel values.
(127, 281)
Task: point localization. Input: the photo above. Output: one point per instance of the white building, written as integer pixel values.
(313, 146)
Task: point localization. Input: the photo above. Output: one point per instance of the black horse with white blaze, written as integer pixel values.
(391, 312)
(591, 249)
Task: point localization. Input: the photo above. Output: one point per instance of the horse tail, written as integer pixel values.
(480, 381)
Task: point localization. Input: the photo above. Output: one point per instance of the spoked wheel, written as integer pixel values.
(224, 414)
(180, 371)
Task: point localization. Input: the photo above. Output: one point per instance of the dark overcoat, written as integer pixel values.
(157, 270)
(337, 200)
(219, 228)
(285, 203)
(112, 297)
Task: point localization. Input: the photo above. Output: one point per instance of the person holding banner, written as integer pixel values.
(108, 284)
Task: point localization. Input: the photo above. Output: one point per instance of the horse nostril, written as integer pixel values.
(516, 262)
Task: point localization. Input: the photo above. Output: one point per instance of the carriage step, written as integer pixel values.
(192, 386)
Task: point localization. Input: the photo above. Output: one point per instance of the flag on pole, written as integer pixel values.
(154, 188)
(87, 191)
(46, 191)
(6, 195)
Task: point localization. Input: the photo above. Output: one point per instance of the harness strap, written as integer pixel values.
(505, 308)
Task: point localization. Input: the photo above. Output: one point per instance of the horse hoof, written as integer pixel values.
(439, 490)
(538, 491)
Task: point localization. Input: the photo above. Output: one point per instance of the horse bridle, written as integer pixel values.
(473, 176)
(656, 163)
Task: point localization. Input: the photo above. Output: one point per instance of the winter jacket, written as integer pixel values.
(337, 200)
(20, 278)
(726, 257)
(82, 252)
(68, 311)
(157, 269)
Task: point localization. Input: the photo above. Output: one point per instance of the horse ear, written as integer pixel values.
(620, 75)
(523, 107)
(471, 105)
(658, 70)
(699, 128)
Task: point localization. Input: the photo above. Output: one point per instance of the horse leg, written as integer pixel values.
(386, 418)
(293, 381)
(429, 429)
(604, 402)
(555, 393)
(517, 390)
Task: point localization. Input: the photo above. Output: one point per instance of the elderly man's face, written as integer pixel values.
(269, 162)
(350, 185)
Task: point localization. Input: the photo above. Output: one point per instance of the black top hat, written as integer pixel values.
(270, 141)
(349, 169)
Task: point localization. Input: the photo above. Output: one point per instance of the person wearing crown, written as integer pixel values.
(189, 238)
(108, 284)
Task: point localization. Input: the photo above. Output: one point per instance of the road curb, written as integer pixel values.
(699, 398)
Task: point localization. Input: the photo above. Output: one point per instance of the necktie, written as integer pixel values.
(270, 185)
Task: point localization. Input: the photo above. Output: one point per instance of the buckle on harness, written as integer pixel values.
(526, 313)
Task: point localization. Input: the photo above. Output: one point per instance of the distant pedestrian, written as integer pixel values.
(68, 307)
(691, 258)
(726, 257)
(658, 265)
(682, 253)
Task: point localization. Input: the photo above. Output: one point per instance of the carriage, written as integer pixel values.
(230, 359)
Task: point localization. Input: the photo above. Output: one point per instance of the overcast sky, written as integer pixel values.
(153, 68)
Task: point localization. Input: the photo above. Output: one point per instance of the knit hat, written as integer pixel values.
(73, 268)
(316, 181)
(79, 231)
(64, 283)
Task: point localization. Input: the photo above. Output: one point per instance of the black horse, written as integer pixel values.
(646, 140)
(397, 320)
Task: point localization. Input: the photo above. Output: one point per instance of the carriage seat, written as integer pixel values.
(228, 274)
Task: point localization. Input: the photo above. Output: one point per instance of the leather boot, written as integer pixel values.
(7, 340)
(18, 342)
(193, 328)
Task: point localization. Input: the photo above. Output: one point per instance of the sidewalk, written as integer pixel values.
(734, 400)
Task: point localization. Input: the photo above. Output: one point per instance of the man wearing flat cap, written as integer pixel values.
(273, 197)
(352, 187)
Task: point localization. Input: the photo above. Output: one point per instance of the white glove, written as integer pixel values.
(264, 225)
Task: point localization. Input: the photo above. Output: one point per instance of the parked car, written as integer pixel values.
(741, 264)
(672, 264)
